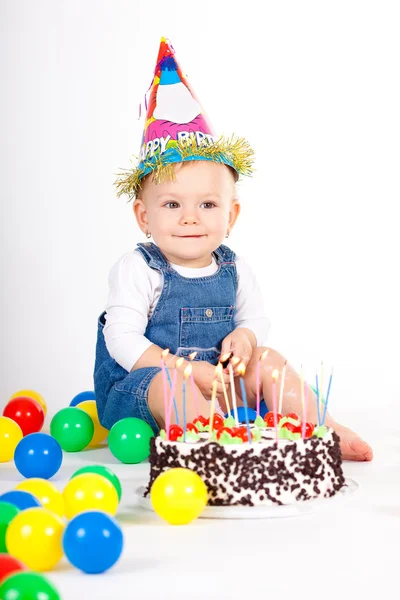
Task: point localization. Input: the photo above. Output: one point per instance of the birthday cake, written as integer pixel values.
(282, 464)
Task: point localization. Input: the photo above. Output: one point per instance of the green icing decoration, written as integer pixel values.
(285, 434)
(320, 431)
(226, 438)
(229, 422)
(191, 437)
(200, 427)
(163, 435)
(288, 420)
(259, 422)
(256, 435)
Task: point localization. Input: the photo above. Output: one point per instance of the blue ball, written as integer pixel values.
(38, 455)
(20, 499)
(252, 415)
(93, 541)
(263, 409)
(82, 397)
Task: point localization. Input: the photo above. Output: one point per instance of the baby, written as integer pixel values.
(187, 291)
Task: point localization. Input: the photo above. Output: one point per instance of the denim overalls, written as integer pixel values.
(192, 315)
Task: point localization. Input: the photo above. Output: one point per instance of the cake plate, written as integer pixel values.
(263, 511)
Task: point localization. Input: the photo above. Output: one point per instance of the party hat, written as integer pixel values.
(176, 129)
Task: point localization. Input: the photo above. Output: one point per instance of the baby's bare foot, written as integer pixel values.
(352, 446)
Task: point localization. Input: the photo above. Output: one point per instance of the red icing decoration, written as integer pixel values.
(175, 431)
(291, 427)
(192, 427)
(222, 430)
(293, 415)
(269, 419)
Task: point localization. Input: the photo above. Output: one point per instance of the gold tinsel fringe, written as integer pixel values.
(237, 151)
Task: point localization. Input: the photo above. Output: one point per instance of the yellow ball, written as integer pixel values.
(179, 496)
(89, 491)
(100, 432)
(46, 492)
(10, 435)
(34, 536)
(32, 394)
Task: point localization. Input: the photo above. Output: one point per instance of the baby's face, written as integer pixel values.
(188, 218)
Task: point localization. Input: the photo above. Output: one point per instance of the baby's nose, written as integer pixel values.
(189, 220)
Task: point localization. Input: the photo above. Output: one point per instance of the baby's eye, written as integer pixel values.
(169, 205)
(208, 204)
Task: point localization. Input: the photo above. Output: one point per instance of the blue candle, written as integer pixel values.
(246, 414)
(326, 399)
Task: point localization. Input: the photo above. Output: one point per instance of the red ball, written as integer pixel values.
(9, 565)
(26, 412)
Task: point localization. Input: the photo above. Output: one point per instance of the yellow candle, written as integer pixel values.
(221, 375)
(281, 388)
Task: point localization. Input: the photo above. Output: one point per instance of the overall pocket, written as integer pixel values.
(205, 327)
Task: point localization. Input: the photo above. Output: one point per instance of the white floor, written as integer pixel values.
(347, 548)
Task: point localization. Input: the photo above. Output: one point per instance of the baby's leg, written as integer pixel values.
(353, 447)
(155, 400)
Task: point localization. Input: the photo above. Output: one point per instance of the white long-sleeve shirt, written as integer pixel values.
(135, 288)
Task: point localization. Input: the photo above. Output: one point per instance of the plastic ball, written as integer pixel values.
(10, 435)
(34, 395)
(46, 492)
(9, 565)
(89, 492)
(38, 455)
(21, 500)
(72, 428)
(35, 537)
(28, 586)
(82, 396)
(100, 432)
(26, 412)
(105, 472)
(252, 414)
(93, 542)
(129, 440)
(7, 513)
(179, 496)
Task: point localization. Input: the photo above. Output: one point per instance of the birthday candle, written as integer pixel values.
(326, 399)
(172, 392)
(321, 387)
(164, 353)
(275, 375)
(172, 398)
(317, 392)
(242, 370)
(233, 361)
(213, 398)
(221, 376)
(302, 390)
(281, 389)
(303, 427)
(263, 355)
(192, 356)
(186, 374)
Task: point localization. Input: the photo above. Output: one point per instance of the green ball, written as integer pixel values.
(28, 585)
(73, 429)
(7, 512)
(105, 472)
(129, 440)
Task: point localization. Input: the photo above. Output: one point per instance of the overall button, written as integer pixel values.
(209, 312)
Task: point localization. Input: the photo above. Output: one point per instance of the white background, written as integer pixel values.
(314, 86)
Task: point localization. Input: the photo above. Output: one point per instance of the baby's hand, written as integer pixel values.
(239, 344)
(204, 375)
